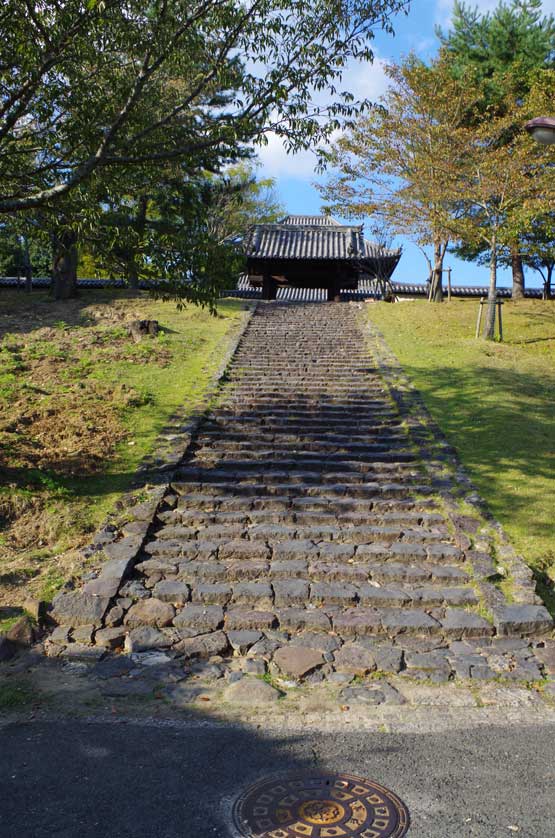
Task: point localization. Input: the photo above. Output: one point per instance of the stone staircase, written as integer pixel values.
(304, 532)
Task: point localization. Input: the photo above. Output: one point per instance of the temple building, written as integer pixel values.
(314, 251)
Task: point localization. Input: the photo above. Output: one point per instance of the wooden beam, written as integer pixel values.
(269, 287)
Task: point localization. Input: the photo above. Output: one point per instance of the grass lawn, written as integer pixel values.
(81, 404)
(495, 402)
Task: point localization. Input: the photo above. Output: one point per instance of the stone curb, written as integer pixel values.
(430, 439)
(121, 546)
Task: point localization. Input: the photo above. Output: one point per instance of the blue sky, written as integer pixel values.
(295, 176)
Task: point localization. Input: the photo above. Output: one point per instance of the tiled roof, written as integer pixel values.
(311, 237)
(311, 220)
(280, 241)
(376, 251)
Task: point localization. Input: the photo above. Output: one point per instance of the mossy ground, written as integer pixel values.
(81, 404)
(495, 402)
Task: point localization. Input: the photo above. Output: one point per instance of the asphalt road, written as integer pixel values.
(74, 779)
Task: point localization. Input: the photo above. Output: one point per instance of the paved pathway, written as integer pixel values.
(69, 779)
(312, 530)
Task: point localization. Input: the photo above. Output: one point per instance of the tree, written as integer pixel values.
(96, 86)
(538, 250)
(193, 264)
(494, 184)
(394, 161)
(537, 219)
(501, 48)
(239, 200)
(382, 235)
(24, 249)
(134, 230)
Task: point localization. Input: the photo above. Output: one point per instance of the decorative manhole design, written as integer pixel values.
(327, 806)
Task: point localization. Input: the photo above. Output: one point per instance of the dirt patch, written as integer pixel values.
(57, 412)
(61, 416)
(81, 405)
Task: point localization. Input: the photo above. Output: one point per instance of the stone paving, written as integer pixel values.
(314, 532)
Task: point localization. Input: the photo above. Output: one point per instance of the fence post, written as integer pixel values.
(479, 320)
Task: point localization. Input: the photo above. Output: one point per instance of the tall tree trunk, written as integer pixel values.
(132, 274)
(140, 224)
(489, 325)
(518, 274)
(64, 265)
(547, 282)
(436, 284)
(28, 267)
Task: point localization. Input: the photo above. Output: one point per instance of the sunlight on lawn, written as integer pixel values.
(494, 402)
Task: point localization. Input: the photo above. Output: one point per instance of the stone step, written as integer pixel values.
(284, 417)
(312, 486)
(339, 400)
(370, 491)
(346, 622)
(307, 471)
(236, 423)
(307, 460)
(258, 401)
(284, 512)
(415, 584)
(208, 471)
(303, 458)
(408, 576)
(230, 501)
(276, 540)
(324, 377)
(300, 530)
(306, 484)
(280, 442)
(262, 594)
(237, 431)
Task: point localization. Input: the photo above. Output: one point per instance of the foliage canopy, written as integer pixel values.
(91, 87)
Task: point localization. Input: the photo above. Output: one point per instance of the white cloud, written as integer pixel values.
(425, 47)
(277, 163)
(364, 81)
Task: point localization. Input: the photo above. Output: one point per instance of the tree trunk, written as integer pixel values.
(436, 283)
(64, 265)
(489, 325)
(547, 282)
(518, 274)
(133, 275)
(140, 224)
(28, 267)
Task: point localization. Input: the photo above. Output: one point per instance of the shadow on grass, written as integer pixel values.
(9, 612)
(533, 317)
(60, 483)
(25, 313)
(529, 341)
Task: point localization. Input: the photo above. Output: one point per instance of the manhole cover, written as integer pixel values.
(327, 806)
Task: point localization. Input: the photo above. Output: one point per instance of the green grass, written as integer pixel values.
(14, 696)
(495, 402)
(81, 405)
(196, 341)
(6, 623)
